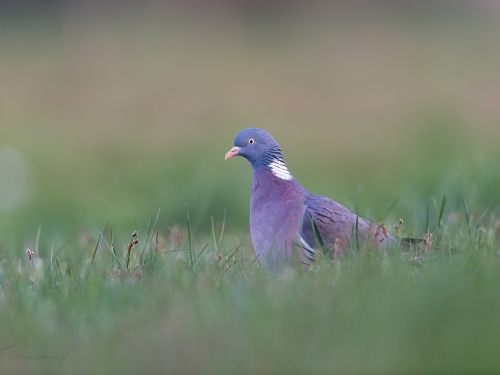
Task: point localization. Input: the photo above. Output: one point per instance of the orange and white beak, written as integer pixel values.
(233, 152)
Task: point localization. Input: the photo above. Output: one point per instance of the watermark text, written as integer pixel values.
(11, 353)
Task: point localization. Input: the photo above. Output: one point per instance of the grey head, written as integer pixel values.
(261, 150)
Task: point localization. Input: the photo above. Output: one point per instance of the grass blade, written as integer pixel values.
(427, 218)
(93, 255)
(467, 215)
(483, 215)
(52, 265)
(443, 203)
(190, 240)
(216, 247)
(222, 230)
(357, 233)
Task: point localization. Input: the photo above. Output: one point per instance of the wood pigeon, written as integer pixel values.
(287, 222)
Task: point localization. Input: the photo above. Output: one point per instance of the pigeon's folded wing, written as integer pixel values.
(329, 225)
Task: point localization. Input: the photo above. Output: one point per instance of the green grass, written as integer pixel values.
(208, 307)
(120, 123)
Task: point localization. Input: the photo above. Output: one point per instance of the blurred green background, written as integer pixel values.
(111, 111)
(115, 110)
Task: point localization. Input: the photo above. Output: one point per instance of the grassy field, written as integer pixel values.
(118, 123)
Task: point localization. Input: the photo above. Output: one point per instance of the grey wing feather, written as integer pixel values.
(328, 223)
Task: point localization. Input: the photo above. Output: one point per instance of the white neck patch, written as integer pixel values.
(280, 170)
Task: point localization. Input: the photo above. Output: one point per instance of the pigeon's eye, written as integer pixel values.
(251, 141)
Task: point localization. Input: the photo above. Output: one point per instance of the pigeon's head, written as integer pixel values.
(253, 144)
(261, 150)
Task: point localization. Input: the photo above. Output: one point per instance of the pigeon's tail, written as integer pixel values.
(411, 241)
(407, 243)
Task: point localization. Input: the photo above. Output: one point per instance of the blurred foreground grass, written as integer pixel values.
(210, 308)
(110, 119)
